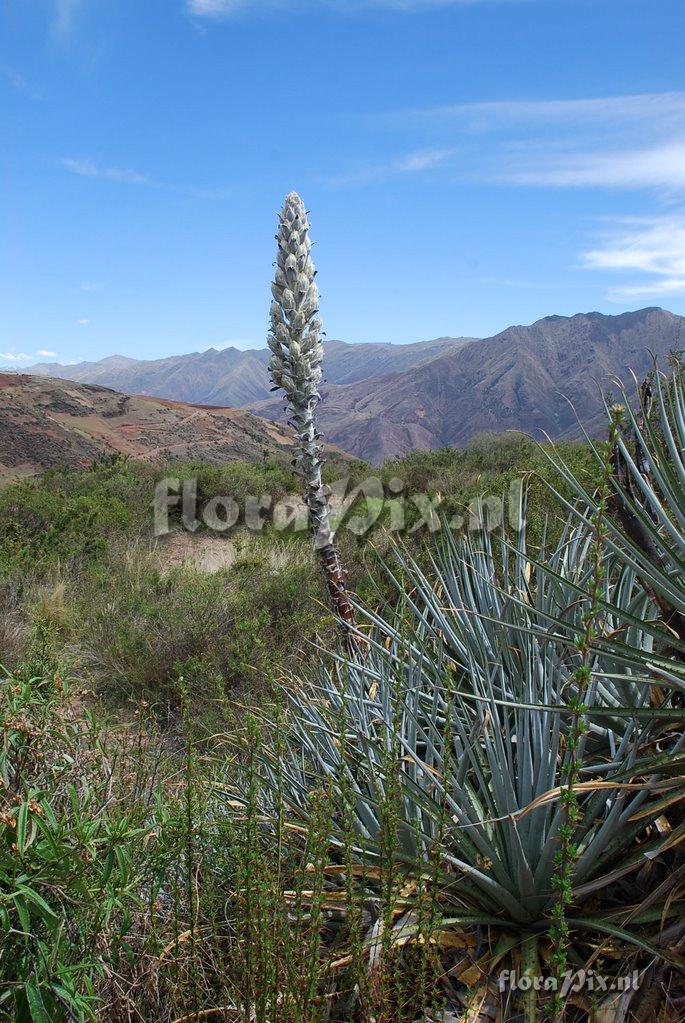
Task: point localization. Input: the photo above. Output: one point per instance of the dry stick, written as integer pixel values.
(295, 367)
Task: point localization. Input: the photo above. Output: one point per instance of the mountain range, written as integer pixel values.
(382, 400)
(229, 377)
(547, 378)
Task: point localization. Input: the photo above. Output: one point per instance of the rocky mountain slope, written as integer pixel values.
(384, 400)
(46, 423)
(234, 378)
(522, 379)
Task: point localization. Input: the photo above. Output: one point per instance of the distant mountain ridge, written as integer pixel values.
(233, 378)
(382, 400)
(543, 379)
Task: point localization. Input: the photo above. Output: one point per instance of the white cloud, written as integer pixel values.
(215, 8)
(653, 249)
(225, 8)
(411, 163)
(84, 168)
(24, 357)
(587, 143)
(653, 167)
(649, 106)
(425, 159)
(552, 143)
(17, 81)
(89, 169)
(563, 143)
(65, 13)
(83, 321)
(19, 357)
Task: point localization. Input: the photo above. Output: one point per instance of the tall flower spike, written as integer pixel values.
(295, 366)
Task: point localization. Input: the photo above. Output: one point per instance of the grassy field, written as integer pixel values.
(127, 614)
(197, 826)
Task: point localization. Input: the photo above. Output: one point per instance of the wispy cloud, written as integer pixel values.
(215, 8)
(89, 169)
(225, 8)
(64, 17)
(651, 250)
(411, 163)
(83, 322)
(18, 82)
(563, 143)
(24, 357)
(12, 357)
(651, 167)
(617, 142)
(661, 106)
(425, 159)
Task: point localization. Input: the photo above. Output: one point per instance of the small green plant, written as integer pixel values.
(66, 880)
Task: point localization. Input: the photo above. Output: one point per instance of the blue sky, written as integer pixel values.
(467, 165)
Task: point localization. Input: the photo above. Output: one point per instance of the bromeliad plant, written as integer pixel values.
(295, 366)
(645, 524)
(462, 714)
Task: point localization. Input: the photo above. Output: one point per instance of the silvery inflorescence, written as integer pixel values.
(297, 350)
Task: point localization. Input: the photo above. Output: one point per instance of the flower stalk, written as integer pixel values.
(295, 367)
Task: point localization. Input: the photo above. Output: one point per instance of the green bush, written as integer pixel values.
(227, 632)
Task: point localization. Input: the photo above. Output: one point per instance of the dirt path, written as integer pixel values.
(199, 553)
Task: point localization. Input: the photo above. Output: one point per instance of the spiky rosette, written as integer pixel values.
(295, 366)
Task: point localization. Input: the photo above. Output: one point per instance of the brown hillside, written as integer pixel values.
(522, 379)
(46, 423)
